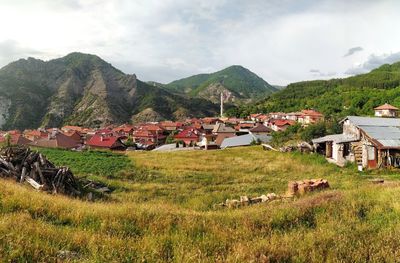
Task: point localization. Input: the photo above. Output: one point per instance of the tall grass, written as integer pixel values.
(166, 215)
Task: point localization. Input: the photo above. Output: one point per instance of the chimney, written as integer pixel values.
(222, 104)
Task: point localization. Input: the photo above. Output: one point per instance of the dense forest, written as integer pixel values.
(335, 98)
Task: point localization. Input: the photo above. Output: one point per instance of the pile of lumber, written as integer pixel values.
(24, 165)
(305, 186)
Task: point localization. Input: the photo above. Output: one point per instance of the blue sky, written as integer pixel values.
(281, 41)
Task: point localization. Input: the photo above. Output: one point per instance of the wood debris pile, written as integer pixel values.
(32, 167)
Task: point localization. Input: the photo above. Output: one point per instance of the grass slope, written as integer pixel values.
(163, 213)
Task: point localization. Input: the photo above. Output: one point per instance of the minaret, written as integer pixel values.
(222, 104)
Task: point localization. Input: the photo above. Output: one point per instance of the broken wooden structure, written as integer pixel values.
(24, 165)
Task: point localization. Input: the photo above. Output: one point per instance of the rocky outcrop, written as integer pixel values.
(4, 108)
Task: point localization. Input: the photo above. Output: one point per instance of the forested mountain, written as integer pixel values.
(236, 82)
(83, 89)
(356, 95)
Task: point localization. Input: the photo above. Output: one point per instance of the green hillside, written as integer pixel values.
(236, 81)
(83, 89)
(356, 95)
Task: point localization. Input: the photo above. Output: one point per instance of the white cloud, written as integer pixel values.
(170, 39)
(373, 62)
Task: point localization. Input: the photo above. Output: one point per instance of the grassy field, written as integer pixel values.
(162, 211)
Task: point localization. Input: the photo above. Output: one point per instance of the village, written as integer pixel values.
(370, 142)
(196, 133)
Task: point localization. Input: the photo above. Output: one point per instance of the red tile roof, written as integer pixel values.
(281, 123)
(311, 113)
(188, 133)
(105, 141)
(58, 140)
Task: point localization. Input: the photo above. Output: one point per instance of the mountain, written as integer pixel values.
(237, 83)
(83, 89)
(357, 95)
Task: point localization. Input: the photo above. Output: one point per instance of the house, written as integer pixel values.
(280, 124)
(15, 139)
(222, 128)
(386, 110)
(309, 117)
(221, 132)
(244, 140)
(143, 135)
(190, 136)
(149, 133)
(277, 115)
(171, 126)
(260, 129)
(124, 130)
(254, 116)
(74, 135)
(233, 121)
(294, 116)
(56, 140)
(70, 128)
(208, 128)
(34, 135)
(210, 120)
(258, 117)
(245, 126)
(371, 142)
(106, 141)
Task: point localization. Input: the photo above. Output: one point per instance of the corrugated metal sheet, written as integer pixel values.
(238, 141)
(374, 121)
(244, 140)
(336, 138)
(390, 143)
(387, 136)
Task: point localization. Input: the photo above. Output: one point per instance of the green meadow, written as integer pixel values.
(162, 210)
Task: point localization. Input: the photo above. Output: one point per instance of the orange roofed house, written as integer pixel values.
(310, 117)
(35, 135)
(280, 125)
(106, 141)
(171, 126)
(386, 110)
(56, 140)
(189, 136)
(149, 133)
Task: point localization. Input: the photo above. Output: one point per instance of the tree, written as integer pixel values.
(8, 139)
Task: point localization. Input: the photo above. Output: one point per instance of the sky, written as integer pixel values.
(282, 41)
